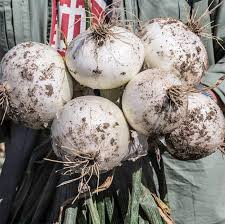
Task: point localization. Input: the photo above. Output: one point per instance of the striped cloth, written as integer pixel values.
(69, 19)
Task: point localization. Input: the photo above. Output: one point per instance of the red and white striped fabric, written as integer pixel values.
(68, 17)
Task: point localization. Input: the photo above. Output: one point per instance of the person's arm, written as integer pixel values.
(210, 78)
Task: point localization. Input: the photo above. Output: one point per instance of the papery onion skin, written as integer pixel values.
(147, 106)
(93, 126)
(201, 133)
(36, 83)
(112, 64)
(170, 45)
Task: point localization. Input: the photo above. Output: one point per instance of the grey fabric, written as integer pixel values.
(3, 38)
(21, 20)
(9, 25)
(39, 24)
(196, 189)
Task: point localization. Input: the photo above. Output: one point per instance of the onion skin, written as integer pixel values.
(36, 84)
(170, 45)
(94, 126)
(112, 64)
(146, 105)
(201, 133)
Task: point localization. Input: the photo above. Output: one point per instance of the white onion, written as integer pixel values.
(201, 133)
(146, 103)
(106, 63)
(35, 82)
(170, 45)
(92, 126)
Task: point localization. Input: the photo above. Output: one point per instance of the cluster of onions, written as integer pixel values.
(90, 134)
(162, 100)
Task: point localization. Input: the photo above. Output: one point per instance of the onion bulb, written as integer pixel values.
(202, 131)
(91, 130)
(148, 107)
(105, 57)
(170, 45)
(34, 85)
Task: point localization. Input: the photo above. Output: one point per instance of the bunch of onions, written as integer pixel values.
(166, 104)
(156, 103)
